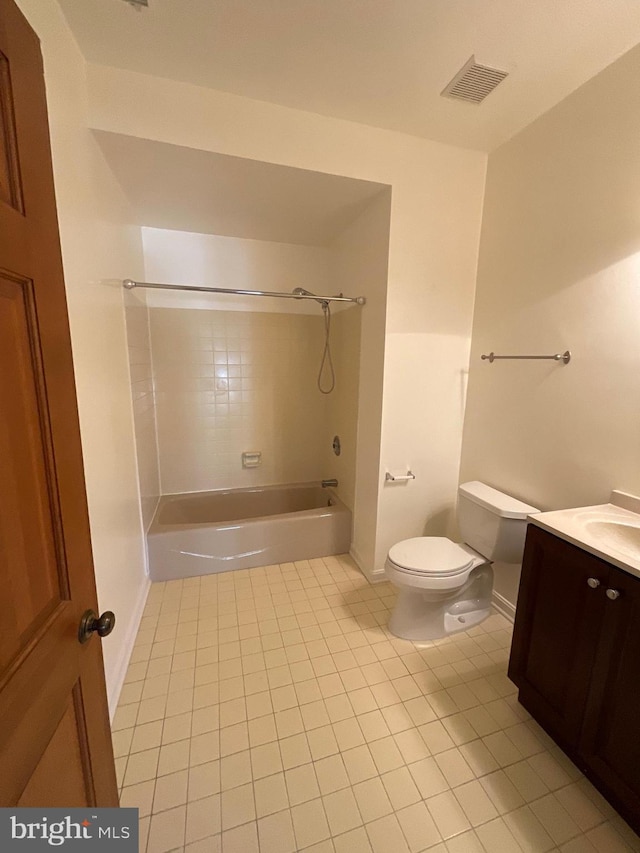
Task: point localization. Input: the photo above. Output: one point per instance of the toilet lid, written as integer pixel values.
(432, 555)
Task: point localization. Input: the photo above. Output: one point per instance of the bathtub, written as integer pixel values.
(207, 532)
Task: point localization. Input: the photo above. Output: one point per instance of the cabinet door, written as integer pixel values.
(556, 632)
(610, 742)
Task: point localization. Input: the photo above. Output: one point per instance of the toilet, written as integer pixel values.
(443, 586)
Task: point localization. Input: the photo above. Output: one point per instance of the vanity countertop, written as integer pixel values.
(610, 531)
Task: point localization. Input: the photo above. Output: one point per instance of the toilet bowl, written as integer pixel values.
(444, 586)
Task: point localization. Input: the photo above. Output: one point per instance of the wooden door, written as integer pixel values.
(610, 744)
(556, 632)
(55, 746)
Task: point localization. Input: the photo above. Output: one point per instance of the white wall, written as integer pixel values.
(435, 219)
(341, 413)
(362, 261)
(209, 260)
(560, 269)
(98, 245)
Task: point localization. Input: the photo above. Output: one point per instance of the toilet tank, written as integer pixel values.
(492, 523)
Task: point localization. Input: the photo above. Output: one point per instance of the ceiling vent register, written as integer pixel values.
(473, 82)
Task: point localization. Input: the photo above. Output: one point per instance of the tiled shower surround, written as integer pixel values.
(270, 711)
(231, 381)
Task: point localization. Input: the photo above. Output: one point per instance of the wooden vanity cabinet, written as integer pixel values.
(575, 658)
(610, 738)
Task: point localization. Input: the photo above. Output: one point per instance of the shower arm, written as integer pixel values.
(129, 284)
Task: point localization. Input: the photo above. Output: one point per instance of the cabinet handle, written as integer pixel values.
(594, 583)
(613, 594)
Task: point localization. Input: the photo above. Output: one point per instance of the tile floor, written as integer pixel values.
(270, 711)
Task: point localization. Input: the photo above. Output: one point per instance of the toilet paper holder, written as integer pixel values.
(399, 478)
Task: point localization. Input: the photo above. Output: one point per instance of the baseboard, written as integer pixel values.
(357, 559)
(504, 606)
(127, 648)
(372, 577)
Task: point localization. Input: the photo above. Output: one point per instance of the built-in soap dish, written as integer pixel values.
(251, 458)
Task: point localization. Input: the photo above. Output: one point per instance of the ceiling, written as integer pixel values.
(184, 189)
(378, 62)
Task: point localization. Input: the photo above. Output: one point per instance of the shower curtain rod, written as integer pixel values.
(129, 284)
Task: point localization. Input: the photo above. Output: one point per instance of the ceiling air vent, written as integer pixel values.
(473, 82)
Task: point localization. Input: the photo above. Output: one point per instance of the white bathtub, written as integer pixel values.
(207, 532)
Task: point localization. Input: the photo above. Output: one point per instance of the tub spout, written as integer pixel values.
(327, 483)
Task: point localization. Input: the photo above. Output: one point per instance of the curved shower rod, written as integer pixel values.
(129, 284)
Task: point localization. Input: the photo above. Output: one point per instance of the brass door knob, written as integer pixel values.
(91, 622)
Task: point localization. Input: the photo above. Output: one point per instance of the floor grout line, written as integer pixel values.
(313, 636)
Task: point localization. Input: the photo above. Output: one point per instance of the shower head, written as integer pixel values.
(300, 291)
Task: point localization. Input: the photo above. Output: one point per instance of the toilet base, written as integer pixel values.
(420, 615)
(454, 622)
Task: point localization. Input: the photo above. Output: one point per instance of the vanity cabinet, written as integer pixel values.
(575, 658)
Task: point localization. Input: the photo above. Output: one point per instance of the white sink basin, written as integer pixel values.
(610, 531)
(619, 535)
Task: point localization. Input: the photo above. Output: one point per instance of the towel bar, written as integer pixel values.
(559, 356)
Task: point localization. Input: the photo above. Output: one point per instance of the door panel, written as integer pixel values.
(64, 750)
(554, 643)
(31, 554)
(10, 184)
(609, 741)
(53, 708)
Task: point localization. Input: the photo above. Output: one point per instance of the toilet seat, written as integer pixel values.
(433, 556)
